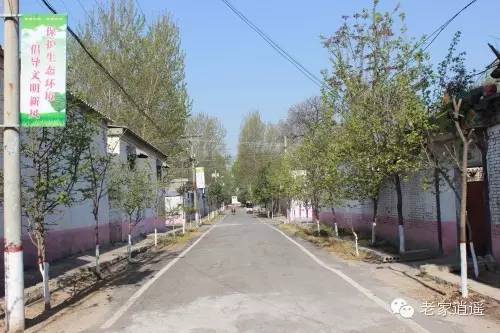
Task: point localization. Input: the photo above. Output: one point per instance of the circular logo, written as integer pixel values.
(400, 306)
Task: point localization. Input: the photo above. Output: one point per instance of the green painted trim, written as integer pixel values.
(32, 21)
(53, 119)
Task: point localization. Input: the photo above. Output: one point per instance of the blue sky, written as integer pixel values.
(231, 71)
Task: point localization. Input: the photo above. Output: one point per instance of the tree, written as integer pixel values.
(131, 190)
(450, 102)
(157, 201)
(465, 132)
(259, 144)
(302, 118)
(376, 82)
(51, 161)
(364, 171)
(451, 78)
(217, 193)
(207, 135)
(145, 58)
(94, 170)
(313, 156)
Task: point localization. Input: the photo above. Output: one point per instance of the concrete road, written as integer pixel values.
(245, 276)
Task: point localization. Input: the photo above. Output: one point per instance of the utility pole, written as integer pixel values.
(13, 246)
(288, 208)
(195, 191)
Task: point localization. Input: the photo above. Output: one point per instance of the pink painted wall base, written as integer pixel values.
(495, 240)
(67, 242)
(419, 234)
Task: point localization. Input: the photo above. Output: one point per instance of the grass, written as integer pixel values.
(52, 119)
(171, 240)
(327, 240)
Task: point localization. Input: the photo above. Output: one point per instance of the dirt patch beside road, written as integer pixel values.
(87, 284)
(341, 247)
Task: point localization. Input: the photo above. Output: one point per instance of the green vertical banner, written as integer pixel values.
(43, 70)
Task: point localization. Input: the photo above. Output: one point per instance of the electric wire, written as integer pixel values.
(438, 31)
(281, 51)
(107, 73)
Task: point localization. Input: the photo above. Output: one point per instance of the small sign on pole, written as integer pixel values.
(200, 177)
(43, 70)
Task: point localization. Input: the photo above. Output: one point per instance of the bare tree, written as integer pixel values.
(303, 118)
(465, 133)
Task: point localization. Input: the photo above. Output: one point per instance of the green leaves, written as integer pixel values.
(378, 75)
(259, 145)
(132, 190)
(51, 162)
(147, 60)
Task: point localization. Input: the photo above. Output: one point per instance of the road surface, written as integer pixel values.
(243, 275)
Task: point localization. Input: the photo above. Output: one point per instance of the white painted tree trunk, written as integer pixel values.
(356, 243)
(156, 237)
(463, 270)
(317, 225)
(97, 255)
(184, 227)
(474, 259)
(336, 229)
(44, 271)
(272, 209)
(401, 238)
(374, 225)
(129, 247)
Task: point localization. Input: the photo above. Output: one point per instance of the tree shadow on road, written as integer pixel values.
(122, 274)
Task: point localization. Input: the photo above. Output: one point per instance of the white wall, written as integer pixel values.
(79, 215)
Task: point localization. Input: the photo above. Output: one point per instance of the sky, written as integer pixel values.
(231, 71)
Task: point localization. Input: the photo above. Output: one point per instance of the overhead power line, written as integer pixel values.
(435, 34)
(106, 72)
(439, 30)
(281, 51)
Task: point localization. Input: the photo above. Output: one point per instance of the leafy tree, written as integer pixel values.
(313, 157)
(132, 190)
(217, 193)
(377, 79)
(145, 58)
(207, 135)
(94, 170)
(259, 144)
(50, 165)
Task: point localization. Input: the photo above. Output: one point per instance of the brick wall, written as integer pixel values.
(419, 212)
(493, 162)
